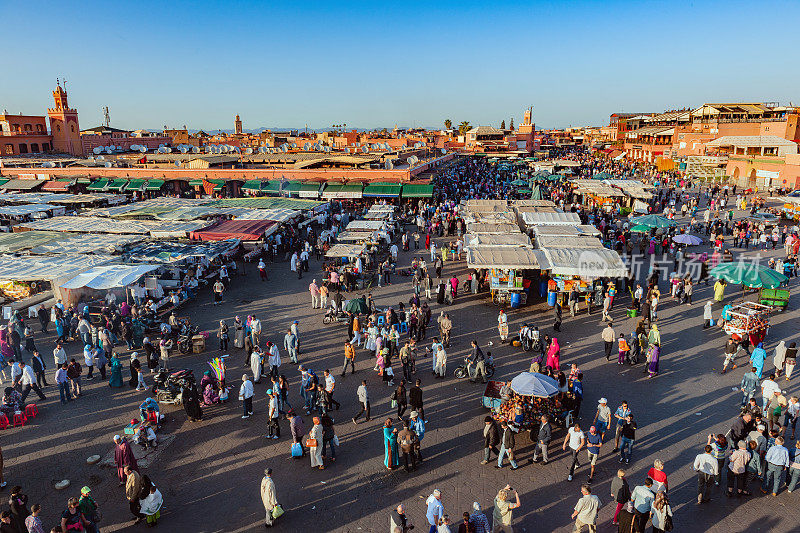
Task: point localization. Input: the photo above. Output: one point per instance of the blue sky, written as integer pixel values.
(374, 64)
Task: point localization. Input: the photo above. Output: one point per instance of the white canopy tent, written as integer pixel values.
(588, 264)
(369, 225)
(109, 277)
(506, 258)
(542, 219)
(483, 227)
(489, 239)
(346, 250)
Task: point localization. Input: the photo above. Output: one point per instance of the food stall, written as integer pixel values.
(748, 319)
(506, 266)
(531, 395)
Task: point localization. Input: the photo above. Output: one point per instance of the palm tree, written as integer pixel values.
(463, 127)
(448, 124)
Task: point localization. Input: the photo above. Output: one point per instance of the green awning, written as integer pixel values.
(65, 179)
(97, 185)
(382, 190)
(417, 190)
(117, 185)
(154, 185)
(292, 187)
(256, 185)
(199, 183)
(310, 189)
(135, 185)
(352, 190)
(84, 181)
(3, 181)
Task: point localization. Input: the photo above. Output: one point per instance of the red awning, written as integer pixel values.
(56, 186)
(245, 230)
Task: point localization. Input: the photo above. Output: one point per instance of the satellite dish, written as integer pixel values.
(389, 165)
(208, 149)
(168, 149)
(294, 145)
(305, 146)
(178, 163)
(97, 149)
(195, 150)
(109, 149)
(101, 158)
(417, 145)
(285, 148)
(161, 145)
(262, 150)
(183, 149)
(108, 164)
(143, 149)
(248, 151)
(364, 149)
(444, 151)
(239, 150)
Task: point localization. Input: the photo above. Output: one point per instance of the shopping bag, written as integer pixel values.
(277, 511)
(297, 450)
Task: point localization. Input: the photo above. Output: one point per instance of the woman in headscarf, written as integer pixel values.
(115, 380)
(390, 456)
(554, 355)
(652, 358)
(780, 358)
(134, 368)
(757, 359)
(654, 337)
(238, 339)
(191, 400)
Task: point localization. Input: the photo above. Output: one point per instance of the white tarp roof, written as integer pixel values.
(482, 227)
(109, 276)
(538, 218)
(491, 217)
(565, 230)
(506, 257)
(366, 225)
(28, 209)
(109, 225)
(345, 250)
(489, 239)
(38, 267)
(572, 241)
(23, 240)
(355, 236)
(589, 264)
(382, 208)
(86, 243)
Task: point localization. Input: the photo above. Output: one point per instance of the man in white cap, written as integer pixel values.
(602, 418)
(435, 510)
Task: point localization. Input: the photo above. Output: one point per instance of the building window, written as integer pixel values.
(28, 127)
(72, 128)
(45, 147)
(23, 148)
(8, 149)
(35, 148)
(58, 128)
(39, 128)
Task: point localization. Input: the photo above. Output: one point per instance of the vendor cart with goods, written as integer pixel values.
(492, 398)
(530, 396)
(774, 297)
(748, 319)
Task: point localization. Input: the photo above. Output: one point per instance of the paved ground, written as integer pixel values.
(210, 473)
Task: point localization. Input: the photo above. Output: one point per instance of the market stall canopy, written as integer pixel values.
(482, 227)
(368, 225)
(491, 217)
(170, 252)
(588, 264)
(25, 240)
(749, 274)
(357, 236)
(534, 384)
(506, 258)
(22, 184)
(653, 221)
(86, 243)
(382, 190)
(575, 241)
(348, 190)
(30, 209)
(266, 202)
(533, 202)
(489, 239)
(542, 219)
(109, 277)
(565, 230)
(39, 267)
(245, 230)
(346, 250)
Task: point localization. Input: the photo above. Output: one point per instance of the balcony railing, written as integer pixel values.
(21, 133)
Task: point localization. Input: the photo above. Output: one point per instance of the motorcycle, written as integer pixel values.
(334, 317)
(461, 371)
(528, 337)
(169, 385)
(184, 342)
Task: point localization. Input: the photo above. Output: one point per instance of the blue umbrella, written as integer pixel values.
(534, 384)
(689, 240)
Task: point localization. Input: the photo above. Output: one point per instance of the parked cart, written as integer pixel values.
(774, 298)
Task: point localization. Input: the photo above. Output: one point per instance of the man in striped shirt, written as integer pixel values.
(478, 519)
